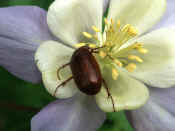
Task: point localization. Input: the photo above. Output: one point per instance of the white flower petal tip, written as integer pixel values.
(141, 14)
(49, 57)
(127, 93)
(158, 67)
(68, 19)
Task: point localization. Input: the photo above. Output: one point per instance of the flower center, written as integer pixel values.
(114, 49)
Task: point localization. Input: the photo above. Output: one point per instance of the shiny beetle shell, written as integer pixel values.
(86, 71)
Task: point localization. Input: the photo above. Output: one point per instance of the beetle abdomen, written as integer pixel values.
(86, 72)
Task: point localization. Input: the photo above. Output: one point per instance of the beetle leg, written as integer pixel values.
(95, 52)
(109, 94)
(62, 84)
(58, 71)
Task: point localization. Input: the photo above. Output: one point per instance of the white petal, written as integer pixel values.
(49, 57)
(142, 14)
(158, 114)
(127, 92)
(158, 67)
(67, 19)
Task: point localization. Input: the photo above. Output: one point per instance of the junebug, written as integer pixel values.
(85, 72)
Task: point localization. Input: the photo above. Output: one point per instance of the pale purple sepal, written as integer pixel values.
(79, 113)
(168, 19)
(158, 114)
(22, 29)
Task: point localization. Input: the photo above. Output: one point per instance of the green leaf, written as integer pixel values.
(19, 101)
(41, 3)
(116, 122)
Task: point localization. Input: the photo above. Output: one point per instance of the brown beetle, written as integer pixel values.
(86, 72)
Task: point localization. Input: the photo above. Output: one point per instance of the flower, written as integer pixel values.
(130, 94)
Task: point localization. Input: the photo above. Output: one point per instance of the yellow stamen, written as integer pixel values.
(79, 45)
(92, 45)
(112, 26)
(142, 50)
(87, 35)
(95, 37)
(102, 54)
(118, 63)
(139, 44)
(111, 41)
(133, 57)
(131, 67)
(115, 74)
(118, 24)
(126, 27)
(132, 31)
(107, 43)
(95, 29)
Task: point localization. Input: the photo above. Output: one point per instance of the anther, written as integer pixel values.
(118, 24)
(108, 44)
(115, 74)
(125, 28)
(95, 29)
(138, 45)
(118, 63)
(92, 45)
(79, 45)
(95, 37)
(112, 22)
(133, 57)
(87, 35)
(142, 50)
(131, 67)
(102, 54)
(132, 31)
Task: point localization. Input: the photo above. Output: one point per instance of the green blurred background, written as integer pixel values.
(19, 100)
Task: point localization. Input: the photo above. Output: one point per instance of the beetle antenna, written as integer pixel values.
(95, 50)
(62, 84)
(99, 47)
(109, 94)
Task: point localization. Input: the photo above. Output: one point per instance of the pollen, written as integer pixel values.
(95, 29)
(118, 24)
(133, 57)
(138, 45)
(115, 74)
(118, 63)
(142, 50)
(112, 46)
(92, 45)
(132, 31)
(131, 67)
(102, 54)
(88, 35)
(126, 28)
(79, 45)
